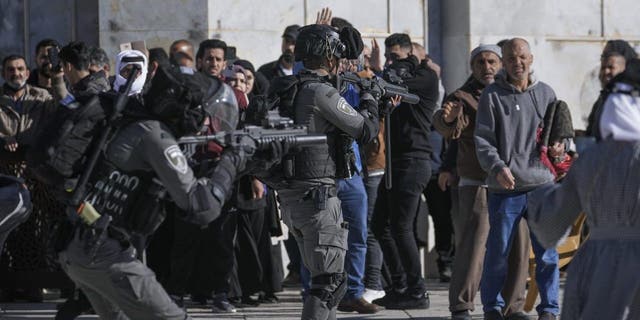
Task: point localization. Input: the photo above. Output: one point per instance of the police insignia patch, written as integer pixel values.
(176, 158)
(344, 107)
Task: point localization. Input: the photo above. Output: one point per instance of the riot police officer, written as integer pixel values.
(309, 203)
(140, 162)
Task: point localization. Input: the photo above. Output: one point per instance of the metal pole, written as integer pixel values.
(27, 29)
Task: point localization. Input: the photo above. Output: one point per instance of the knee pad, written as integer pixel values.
(334, 280)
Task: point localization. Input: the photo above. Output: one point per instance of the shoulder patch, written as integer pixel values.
(176, 158)
(345, 108)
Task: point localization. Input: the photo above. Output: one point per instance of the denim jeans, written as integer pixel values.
(393, 223)
(505, 212)
(353, 198)
(373, 264)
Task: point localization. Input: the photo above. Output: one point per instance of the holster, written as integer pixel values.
(320, 195)
(332, 298)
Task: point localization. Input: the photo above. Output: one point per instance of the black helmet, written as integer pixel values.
(15, 205)
(182, 98)
(317, 40)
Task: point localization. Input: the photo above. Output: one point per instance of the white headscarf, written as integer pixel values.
(620, 118)
(138, 84)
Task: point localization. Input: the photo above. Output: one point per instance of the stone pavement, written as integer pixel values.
(288, 308)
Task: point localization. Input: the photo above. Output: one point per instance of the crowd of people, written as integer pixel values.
(483, 157)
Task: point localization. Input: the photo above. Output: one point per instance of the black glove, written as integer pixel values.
(375, 90)
(369, 108)
(240, 151)
(271, 156)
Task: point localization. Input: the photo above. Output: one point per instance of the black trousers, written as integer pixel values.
(393, 222)
(439, 204)
(202, 259)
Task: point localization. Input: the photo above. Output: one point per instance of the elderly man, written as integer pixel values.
(456, 121)
(509, 114)
(21, 105)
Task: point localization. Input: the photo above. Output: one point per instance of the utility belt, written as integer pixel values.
(320, 195)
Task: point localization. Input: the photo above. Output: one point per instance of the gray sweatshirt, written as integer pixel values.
(506, 130)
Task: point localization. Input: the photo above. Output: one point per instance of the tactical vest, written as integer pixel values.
(314, 161)
(132, 199)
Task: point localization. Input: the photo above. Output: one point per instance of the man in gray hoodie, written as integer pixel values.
(508, 120)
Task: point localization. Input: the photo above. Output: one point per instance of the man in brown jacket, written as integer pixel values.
(21, 105)
(456, 120)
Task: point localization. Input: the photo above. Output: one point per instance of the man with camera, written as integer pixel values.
(396, 208)
(60, 148)
(42, 75)
(307, 188)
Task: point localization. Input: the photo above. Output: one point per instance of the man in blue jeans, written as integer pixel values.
(509, 115)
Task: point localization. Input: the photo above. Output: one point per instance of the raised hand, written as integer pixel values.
(324, 16)
(375, 61)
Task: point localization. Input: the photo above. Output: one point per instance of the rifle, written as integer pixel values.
(388, 91)
(274, 128)
(81, 187)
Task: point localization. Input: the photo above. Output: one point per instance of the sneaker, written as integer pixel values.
(222, 305)
(461, 315)
(517, 316)
(405, 302)
(268, 298)
(493, 315)
(390, 297)
(358, 305)
(370, 294)
(292, 280)
(547, 316)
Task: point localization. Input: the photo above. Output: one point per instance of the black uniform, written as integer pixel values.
(310, 206)
(140, 162)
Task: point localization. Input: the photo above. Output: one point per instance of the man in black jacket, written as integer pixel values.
(284, 65)
(410, 153)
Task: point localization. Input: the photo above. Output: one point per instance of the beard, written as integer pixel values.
(16, 84)
(288, 57)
